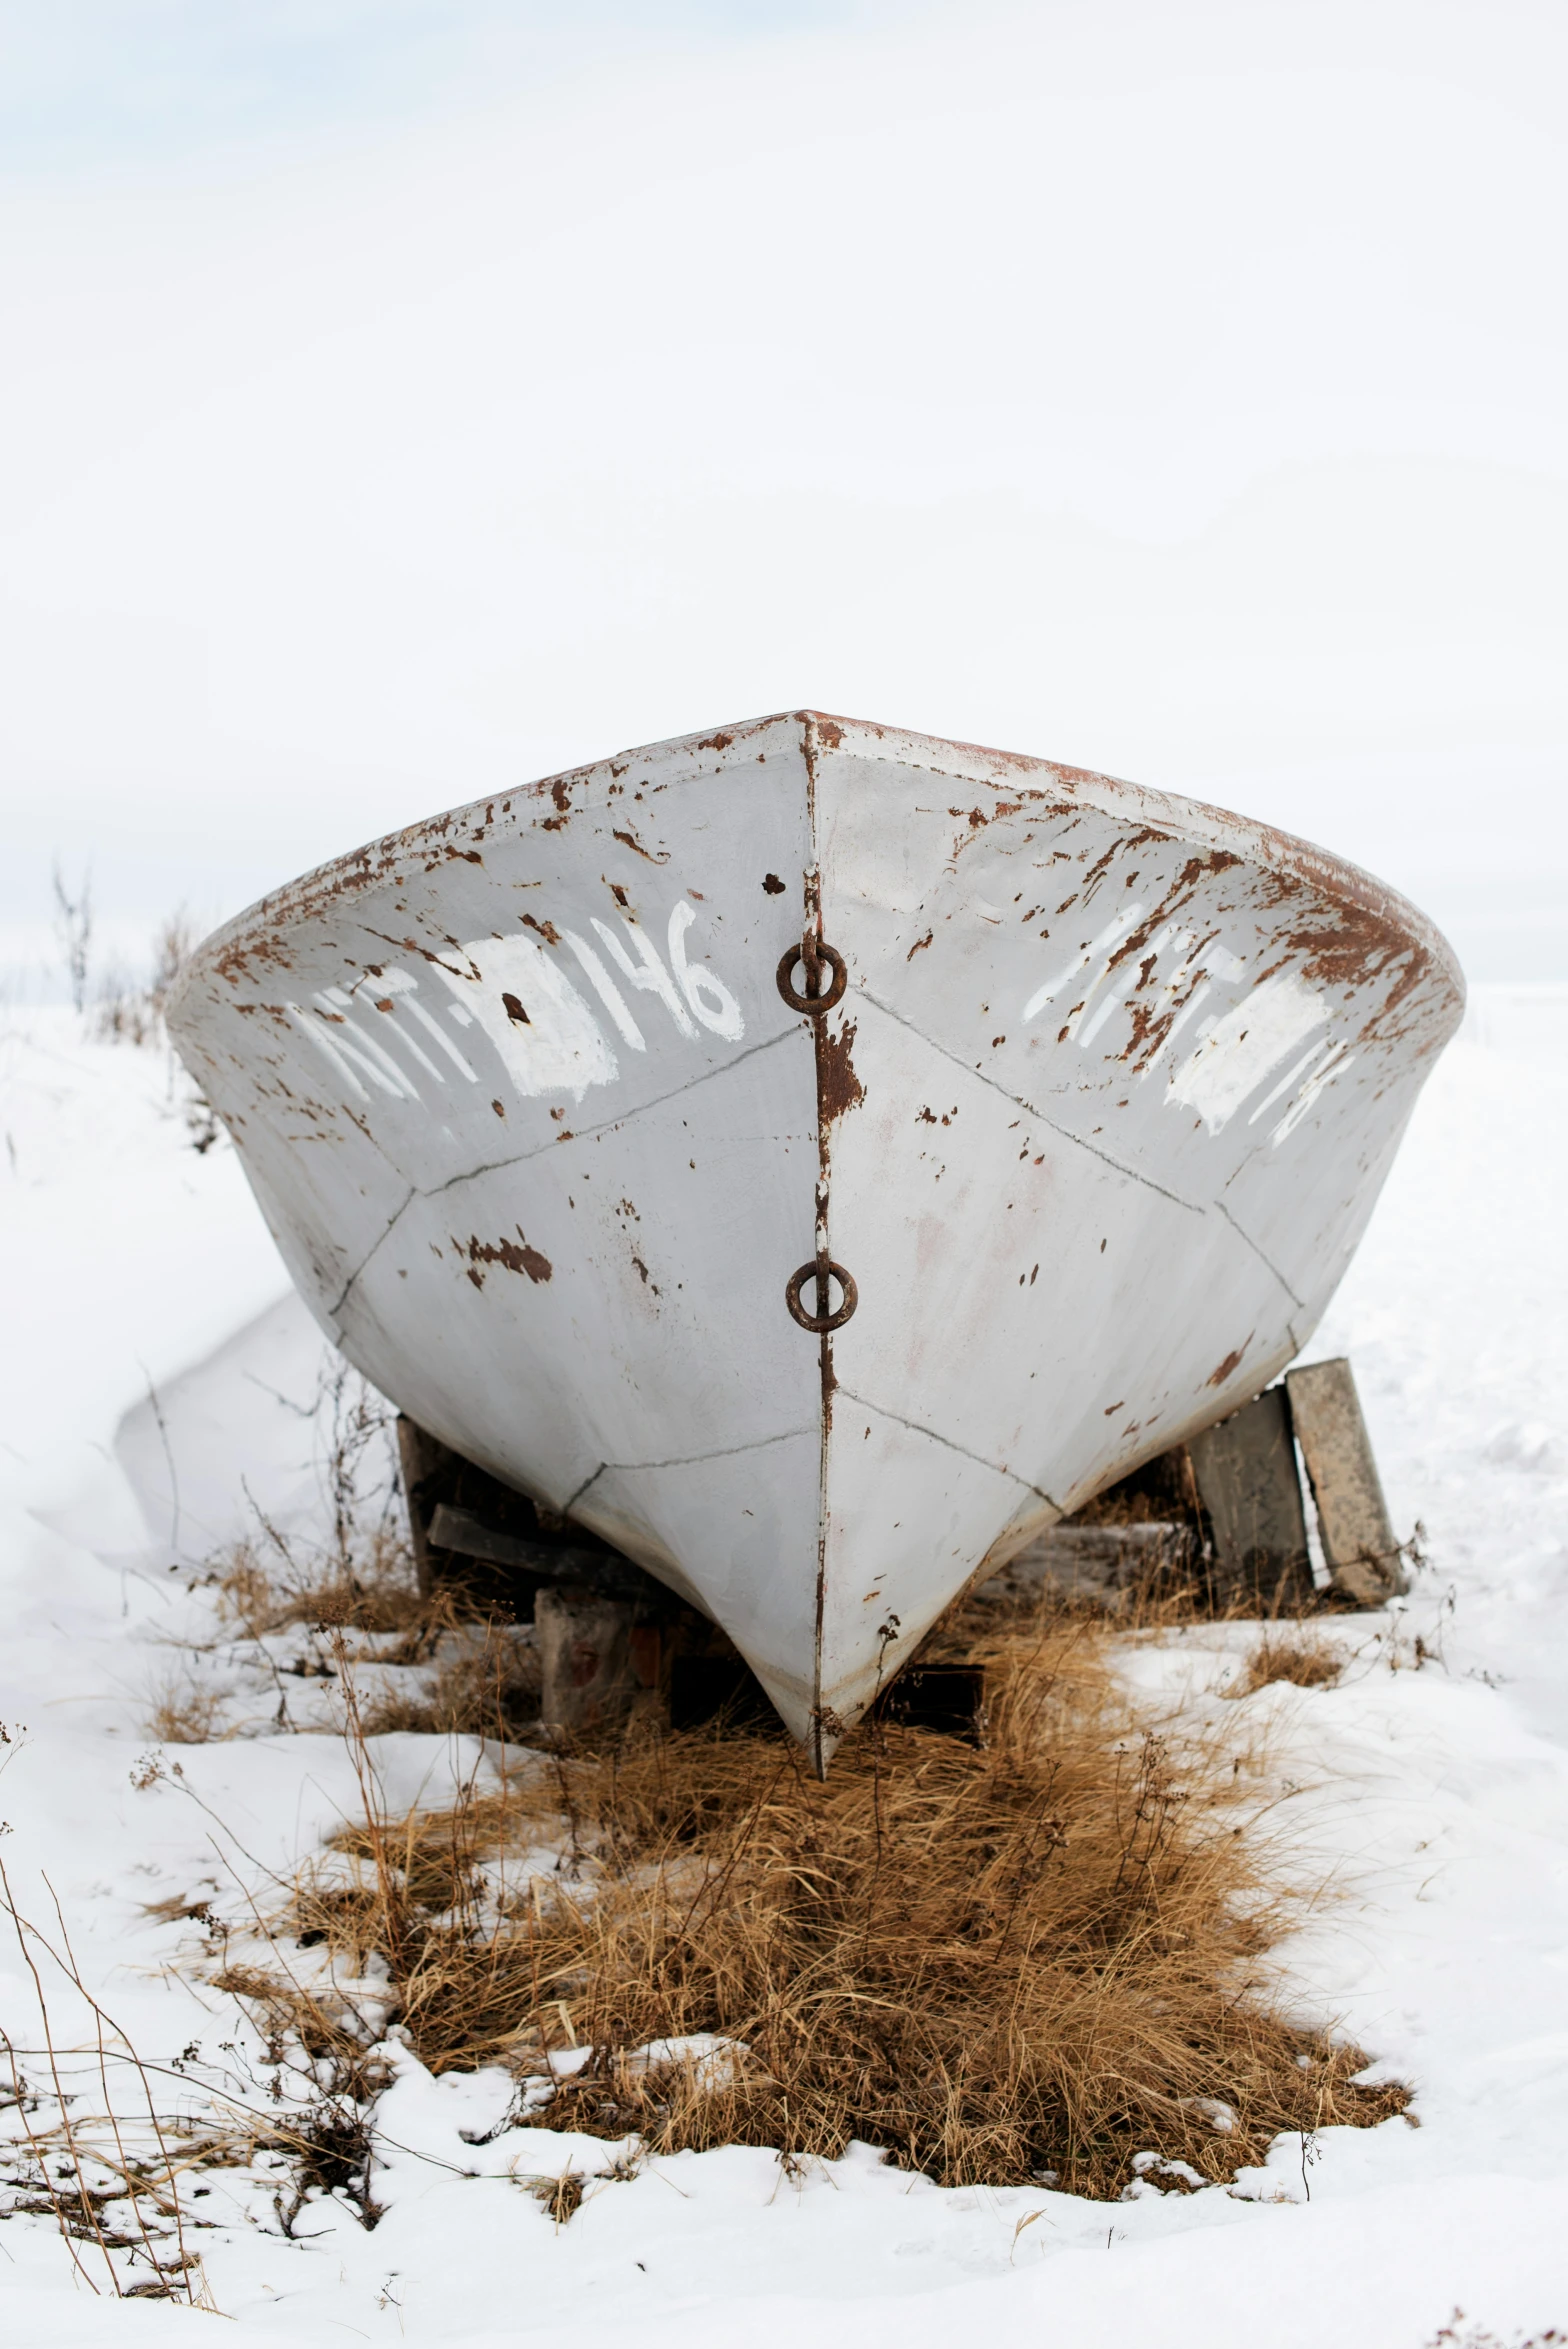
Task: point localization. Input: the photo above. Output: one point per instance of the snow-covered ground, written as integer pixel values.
(153, 1367)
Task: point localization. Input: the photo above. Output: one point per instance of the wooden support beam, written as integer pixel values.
(587, 1675)
(1358, 1541)
(1111, 1565)
(1247, 1481)
(419, 1458)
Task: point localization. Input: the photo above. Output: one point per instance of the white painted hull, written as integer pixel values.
(1095, 1128)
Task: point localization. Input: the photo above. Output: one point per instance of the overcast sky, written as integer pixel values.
(405, 397)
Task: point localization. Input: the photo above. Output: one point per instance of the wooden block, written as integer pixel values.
(494, 1545)
(1358, 1540)
(587, 1675)
(418, 1458)
(1107, 1565)
(1247, 1481)
(470, 1536)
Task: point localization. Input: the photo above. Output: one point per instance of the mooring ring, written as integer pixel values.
(819, 1323)
(816, 1005)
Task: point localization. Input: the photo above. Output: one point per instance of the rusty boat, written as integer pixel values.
(813, 1157)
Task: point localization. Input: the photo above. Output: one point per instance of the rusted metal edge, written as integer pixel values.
(811, 937)
(1333, 878)
(1019, 777)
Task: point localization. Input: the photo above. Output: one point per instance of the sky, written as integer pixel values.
(405, 399)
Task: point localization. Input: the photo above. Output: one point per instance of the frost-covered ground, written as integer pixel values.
(153, 1366)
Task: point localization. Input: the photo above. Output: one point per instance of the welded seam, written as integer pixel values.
(1134, 1174)
(341, 1299)
(948, 1444)
(813, 921)
(572, 1499)
(692, 1459)
(606, 1125)
(1300, 1303)
(542, 1149)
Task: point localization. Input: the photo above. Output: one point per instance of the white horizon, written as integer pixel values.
(424, 403)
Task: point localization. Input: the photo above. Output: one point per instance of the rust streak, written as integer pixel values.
(631, 841)
(838, 1087)
(515, 1255)
(1232, 1363)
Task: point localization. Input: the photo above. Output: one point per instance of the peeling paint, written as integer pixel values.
(838, 1087)
(515, 1255)
(1099, 1047)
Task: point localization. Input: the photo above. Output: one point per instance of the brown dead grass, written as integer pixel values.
(1291, 1653)
(184, 1714)
(492, 1691)
(479, 1679)
(374, 1591)
(491, 1685)
(1045, 1953)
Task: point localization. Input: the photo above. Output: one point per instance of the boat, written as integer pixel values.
(815, 1158)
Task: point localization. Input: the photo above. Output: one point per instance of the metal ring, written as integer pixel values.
(816, 1005)
(818, 1323)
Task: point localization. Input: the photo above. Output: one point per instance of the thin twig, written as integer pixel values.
(40, 2157)
(22, 1928)
(74, 1973)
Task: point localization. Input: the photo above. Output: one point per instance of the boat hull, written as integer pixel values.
(1094, 1127)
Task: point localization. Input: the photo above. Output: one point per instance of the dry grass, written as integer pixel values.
(184, 1714)
(371, 1590)
(130, 1011)
(360, 1573)
(358, 1576)
(491, 1690)
(1479, 2337)
(83, 2173)
(1042, 1955)
(480, 1679)
(1294, 1654)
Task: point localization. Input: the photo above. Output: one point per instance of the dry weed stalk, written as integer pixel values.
(359, 1577)
(145, 2187)
(370, 1590)
(1480, 2337)
(478, 1672)
(362, 1579)
(560, 2198)
(131, 1012)
(1042, 1955)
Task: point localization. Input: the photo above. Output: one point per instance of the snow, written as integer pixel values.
(156, 1359)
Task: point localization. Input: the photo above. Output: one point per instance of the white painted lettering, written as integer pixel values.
(648, 973)
(325, 1038)
(708, 996)
(351, 1038)
(557, 1046)
(402, 986)
(607, 991)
